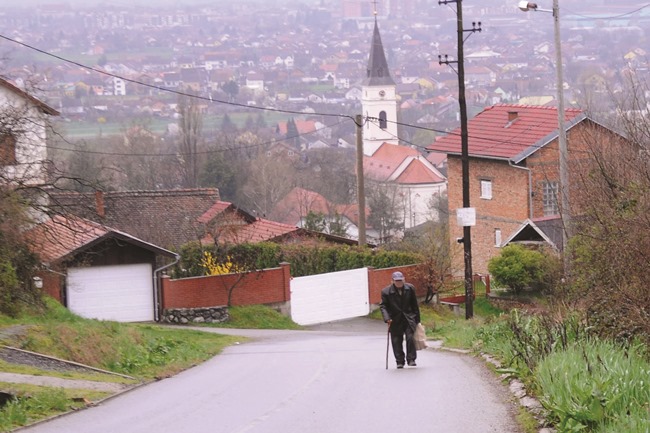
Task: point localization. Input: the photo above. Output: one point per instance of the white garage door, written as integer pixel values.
(328, 297)
(122, 293)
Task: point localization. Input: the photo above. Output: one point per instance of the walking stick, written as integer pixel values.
(387, 343)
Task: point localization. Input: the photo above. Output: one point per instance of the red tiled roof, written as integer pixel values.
(168, 218)
(506, 131)
(394, 153)
(62, 236)
(215, 210)
(259, 231)
(385, 160)
(417, 173)
(436, 158)
(299, 202)
(303, 126)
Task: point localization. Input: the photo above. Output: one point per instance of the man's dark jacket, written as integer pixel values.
(402, 310)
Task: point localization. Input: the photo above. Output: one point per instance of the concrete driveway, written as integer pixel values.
(330, 379)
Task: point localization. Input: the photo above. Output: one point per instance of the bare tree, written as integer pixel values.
(270, 180)
(145, 160)
(611, 191)
(191, 129)
(385, 202)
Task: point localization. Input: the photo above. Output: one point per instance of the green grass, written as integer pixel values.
(33, 404)
(258, 317)
(89, 128)
(143, 351)
(596, 386)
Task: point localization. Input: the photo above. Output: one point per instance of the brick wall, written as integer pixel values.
(264, 287)
(507, 209)
(270, 286)
(380, 278)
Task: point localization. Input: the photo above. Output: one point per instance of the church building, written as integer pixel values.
(400, 168)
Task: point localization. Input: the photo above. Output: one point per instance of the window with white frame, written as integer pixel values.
(486, 189)
(497, 237)
(550, 191)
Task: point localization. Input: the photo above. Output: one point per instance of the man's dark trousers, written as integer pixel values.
(397, 340)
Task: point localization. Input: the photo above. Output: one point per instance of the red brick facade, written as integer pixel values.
(517, 192)
(505, 211)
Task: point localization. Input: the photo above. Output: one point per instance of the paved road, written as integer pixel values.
(330, 379)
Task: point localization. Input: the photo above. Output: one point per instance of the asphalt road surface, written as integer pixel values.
(329, 379)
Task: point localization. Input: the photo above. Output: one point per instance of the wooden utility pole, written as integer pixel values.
(361, 194)
(464, 140)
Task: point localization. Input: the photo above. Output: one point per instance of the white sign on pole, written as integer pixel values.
(466, 216)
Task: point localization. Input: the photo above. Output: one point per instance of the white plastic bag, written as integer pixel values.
(420, 337)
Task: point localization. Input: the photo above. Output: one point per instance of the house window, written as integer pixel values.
(382, 120)
(7, 150)
(290, 153)
(550, 192)
(486, 189)
(497, 237)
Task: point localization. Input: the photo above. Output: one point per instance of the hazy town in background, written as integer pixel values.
(269, 74)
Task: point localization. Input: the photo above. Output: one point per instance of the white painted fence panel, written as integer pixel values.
(328, 297)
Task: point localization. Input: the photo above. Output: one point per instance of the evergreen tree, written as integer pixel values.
(293, 136)
(227, 125)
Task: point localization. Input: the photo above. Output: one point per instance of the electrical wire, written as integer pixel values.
(608, 17)
(163, 89)
(213, 100)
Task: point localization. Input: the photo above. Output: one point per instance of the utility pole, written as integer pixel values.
(464, 140)
(565, 209)
(361, 194)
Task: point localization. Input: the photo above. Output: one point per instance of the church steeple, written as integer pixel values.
(378, 99)
(377, 72)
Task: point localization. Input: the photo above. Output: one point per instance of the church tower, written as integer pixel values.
(378, 99)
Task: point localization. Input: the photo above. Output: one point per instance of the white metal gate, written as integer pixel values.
(328, 297)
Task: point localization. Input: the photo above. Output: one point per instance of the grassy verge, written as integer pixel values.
(32, 403)
(256, 317)
(585, 383)
(142, 351)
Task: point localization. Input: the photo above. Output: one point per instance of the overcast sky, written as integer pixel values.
(542, 3)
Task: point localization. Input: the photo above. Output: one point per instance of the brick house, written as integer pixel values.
(514, 175)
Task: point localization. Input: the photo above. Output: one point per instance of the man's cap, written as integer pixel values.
(398, 276)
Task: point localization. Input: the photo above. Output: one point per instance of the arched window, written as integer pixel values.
(382, 119)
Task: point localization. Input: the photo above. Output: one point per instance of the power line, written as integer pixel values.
(213, 100)
(163, 89)
(609, 17)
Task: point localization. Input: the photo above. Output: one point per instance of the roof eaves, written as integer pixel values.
(530, 223)
(473, 155)
(546, 140)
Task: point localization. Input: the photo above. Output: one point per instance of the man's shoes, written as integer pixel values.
(400, 365)
(412, 364)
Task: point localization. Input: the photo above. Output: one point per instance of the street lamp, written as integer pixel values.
(565, 213)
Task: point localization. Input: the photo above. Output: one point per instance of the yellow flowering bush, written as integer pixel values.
(212, 266)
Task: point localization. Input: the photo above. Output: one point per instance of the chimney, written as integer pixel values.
(512, 115)
(99, 204)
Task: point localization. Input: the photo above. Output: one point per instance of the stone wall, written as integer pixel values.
(195, 315)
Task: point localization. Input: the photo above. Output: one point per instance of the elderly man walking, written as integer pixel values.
(399, 308)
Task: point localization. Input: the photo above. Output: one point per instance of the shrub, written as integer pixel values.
(305, 259)
(519, 268)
